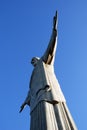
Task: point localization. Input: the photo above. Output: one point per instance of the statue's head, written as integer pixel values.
(34, 61)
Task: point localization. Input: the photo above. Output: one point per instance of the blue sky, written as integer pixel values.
(25, 29)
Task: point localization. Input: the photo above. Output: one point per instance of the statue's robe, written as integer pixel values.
(47, 103)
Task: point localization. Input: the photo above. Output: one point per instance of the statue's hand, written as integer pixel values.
(55, 21)
(22, 107)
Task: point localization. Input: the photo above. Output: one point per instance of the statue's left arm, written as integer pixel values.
(49, 54)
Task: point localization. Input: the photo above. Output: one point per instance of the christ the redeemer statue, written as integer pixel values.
(48, 107)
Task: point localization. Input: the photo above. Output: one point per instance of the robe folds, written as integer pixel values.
(47, 116)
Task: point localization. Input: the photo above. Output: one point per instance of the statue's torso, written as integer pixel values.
(44, 85)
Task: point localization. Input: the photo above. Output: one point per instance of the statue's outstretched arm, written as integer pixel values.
(26, 102)
(49, 54)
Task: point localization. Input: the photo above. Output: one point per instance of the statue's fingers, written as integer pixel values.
(21, 108)
(56, 14)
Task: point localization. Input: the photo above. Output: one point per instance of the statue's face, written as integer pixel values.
(34, 61)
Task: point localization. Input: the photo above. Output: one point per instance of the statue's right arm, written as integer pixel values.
(26, 102)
